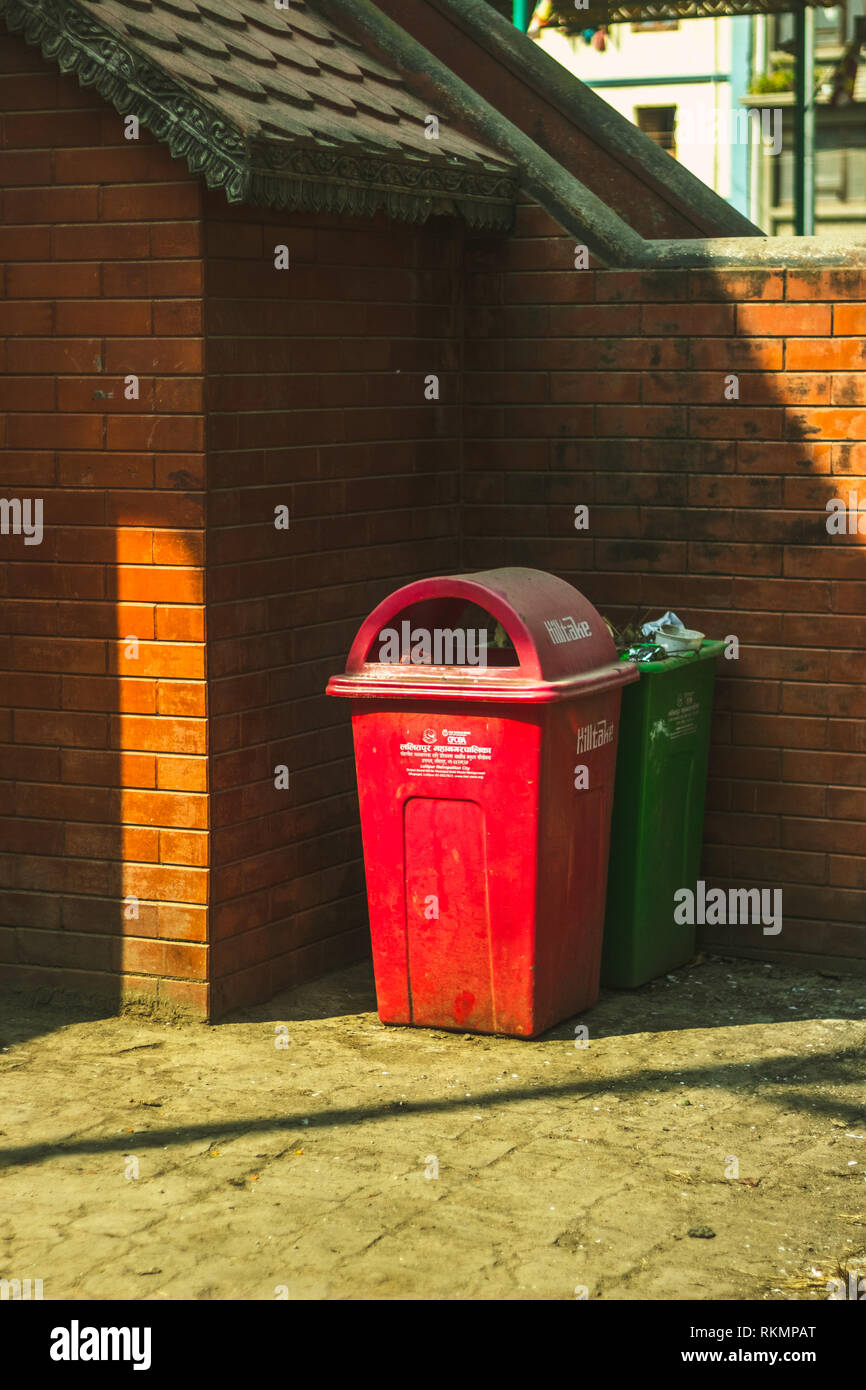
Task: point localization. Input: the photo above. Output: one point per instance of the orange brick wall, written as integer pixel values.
(607, 388)
(103, 756)
(316, 402)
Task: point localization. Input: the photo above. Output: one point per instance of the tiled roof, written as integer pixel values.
(274, 105)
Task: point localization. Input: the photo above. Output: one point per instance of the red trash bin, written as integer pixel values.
(485, 795)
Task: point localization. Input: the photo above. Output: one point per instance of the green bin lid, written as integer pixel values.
(709, 648)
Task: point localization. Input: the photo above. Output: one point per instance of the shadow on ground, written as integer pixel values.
(304, 1144)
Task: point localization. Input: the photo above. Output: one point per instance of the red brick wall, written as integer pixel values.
(607, 389)
(103, 756)
(316, 402)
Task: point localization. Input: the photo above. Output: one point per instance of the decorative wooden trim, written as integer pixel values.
(640, 11)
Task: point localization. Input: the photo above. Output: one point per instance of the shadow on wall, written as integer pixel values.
(317, 405)
(705, 419)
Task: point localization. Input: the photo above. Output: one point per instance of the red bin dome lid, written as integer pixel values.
(562, 646)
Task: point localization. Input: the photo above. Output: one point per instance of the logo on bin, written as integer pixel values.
(594, 736)
(430, 735)
(561, 630)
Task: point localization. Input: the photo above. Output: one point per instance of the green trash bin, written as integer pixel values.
(658, 814)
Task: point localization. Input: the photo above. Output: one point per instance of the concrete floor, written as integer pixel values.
(709, 1143)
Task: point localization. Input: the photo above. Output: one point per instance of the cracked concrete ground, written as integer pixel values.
(709, 1143)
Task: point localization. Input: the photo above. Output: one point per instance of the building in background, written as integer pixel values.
(679, 81)
(690, 83)
(840, 120)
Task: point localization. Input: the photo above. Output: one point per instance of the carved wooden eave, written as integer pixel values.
(351, 179)
(641, 12)
(292, 176)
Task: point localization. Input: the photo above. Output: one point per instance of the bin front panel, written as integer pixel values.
(449, 818)
(448, 913)
(486, 865)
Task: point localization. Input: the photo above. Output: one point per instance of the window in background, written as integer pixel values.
(829, 27)
(659, 123)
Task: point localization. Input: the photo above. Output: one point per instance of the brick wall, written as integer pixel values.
(103, 766)
(316, 403)
(579, 387)
(607, 388)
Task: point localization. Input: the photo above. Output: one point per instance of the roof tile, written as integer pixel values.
(182, 7)
(183, 67)
(154, 31)
(203, 40)
(224, 12)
